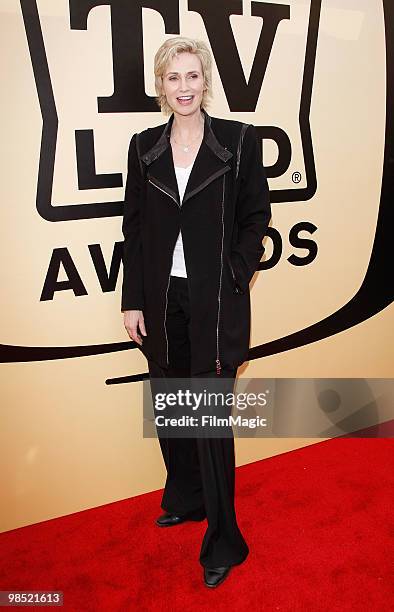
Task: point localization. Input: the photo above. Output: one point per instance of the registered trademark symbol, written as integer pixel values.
(296, 177)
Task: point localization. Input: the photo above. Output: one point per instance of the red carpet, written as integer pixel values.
(319, 522)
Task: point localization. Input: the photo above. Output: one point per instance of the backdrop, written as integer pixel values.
(316, 78)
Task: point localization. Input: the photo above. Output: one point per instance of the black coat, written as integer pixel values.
(223, 218)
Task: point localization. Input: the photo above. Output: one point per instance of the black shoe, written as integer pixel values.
(213, 576)
(168, 519)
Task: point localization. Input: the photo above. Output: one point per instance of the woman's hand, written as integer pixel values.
(134, 319)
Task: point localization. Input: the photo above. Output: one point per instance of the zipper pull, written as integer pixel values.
(218, 367)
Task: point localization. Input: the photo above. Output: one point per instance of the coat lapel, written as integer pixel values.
(210, 163)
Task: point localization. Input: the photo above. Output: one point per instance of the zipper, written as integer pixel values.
(218, 364)
(166, 192)
(232, 272)
(169, 276)
(237, 288)
(165, 317)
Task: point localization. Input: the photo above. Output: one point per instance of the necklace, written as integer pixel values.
(186, 147)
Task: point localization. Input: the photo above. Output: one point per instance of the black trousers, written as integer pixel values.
(200, 471)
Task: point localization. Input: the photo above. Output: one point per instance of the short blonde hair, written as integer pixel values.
(167, 51)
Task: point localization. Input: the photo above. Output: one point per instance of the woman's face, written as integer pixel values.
(183, 83)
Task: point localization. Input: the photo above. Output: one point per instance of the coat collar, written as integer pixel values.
(209, 163)
(209, 138)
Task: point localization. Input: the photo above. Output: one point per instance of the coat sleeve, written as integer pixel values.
(132, 287)
(253, 211)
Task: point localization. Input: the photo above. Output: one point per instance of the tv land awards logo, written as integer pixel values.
(292, 177)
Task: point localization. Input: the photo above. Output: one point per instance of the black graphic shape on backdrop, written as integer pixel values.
(107, 280)
(279, 136)
(61, 256)
(376, 291)
(302, 243)
(296, 241)
(277, 248)
(241, 95)
(127, 42)
(86, 166)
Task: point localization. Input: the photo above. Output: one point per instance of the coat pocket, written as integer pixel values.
(236, 286)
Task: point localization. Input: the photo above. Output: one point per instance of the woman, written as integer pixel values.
(195, 213)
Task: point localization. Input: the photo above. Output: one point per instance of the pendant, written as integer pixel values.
(186, 149)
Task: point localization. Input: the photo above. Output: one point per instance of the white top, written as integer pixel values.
(178, 259)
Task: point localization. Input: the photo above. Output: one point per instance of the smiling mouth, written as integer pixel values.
(185, 98)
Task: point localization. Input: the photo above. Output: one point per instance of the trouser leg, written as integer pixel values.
(183, 492)
(223, 542)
